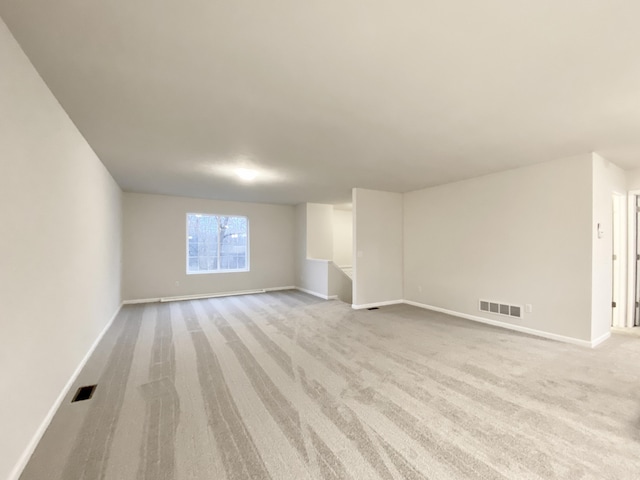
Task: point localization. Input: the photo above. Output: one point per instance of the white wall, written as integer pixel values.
(312, 275)
(520, 237)
(343, 237)
(607, 180)
(377, 237)
(155, 247)
(632, 178)
(319, 231)
(340, 285)
(60, 275)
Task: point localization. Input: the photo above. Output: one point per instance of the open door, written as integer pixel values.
(636, 315)
(618, 269)
(615, 271)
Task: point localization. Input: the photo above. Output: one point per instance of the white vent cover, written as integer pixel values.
(501, 308)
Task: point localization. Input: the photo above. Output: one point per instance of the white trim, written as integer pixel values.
(631, 258)
(619, 241)
(204, 295)
(217, 215)
(602, 338)
(37, 436)
(509, 326)
(213, 272)
(141, 300)
(209, 295)
(376, 304)
(316, 294)
(277, 289)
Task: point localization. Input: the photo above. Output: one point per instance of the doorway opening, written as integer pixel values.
(636, 257)
(617, 270)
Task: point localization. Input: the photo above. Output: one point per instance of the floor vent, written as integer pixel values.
(501, 309)
(84, 393)
(372, 308)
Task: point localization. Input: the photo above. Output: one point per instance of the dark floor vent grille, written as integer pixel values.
(84, 393)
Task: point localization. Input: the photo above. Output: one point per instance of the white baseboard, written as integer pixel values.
(376, 304)
(277, 289)
(26, 455)
(141, 300)
(602, 338)
(316, 294)
(517, 328)
(204, 295)
(210, 295)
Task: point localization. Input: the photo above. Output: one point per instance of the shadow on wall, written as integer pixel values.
(340, 283)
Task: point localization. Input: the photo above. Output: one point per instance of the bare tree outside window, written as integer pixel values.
(217, 243)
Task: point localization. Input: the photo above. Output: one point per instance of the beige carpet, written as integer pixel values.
(286, 386)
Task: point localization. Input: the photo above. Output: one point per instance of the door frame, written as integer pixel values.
(619, 240)
(632, 251)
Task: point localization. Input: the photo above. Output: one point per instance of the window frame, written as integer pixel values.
(213, 272)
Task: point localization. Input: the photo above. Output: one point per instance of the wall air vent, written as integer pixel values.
(84, 393)
(501, 308)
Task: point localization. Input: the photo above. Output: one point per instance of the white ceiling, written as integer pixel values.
(328, 95)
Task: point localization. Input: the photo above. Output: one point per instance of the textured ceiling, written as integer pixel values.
(323, 96)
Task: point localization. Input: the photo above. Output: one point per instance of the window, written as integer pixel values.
(217, 243)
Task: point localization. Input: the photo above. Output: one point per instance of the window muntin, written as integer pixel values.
(217, 243)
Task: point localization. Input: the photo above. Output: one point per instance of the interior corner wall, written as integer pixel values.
(319, 231)
(155, 247)
(632, 178)
(300, 238)
(608, 179)
(378, 243)
(311, 275)
(343, 238)
(519, 237)
(61, 238)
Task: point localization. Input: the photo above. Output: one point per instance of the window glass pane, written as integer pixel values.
(202, 264)
(216, 243)
(233, 232)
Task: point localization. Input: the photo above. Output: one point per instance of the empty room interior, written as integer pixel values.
(319, 240)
